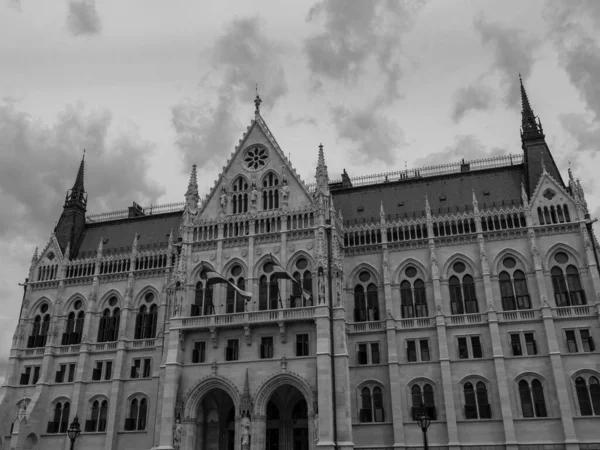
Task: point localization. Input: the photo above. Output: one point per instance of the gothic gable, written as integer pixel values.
(257, 177)
(550, 202)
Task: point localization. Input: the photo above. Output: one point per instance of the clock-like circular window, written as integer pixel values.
(256, 157)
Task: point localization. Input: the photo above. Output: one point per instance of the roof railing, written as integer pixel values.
(124, 213)
(432, 171)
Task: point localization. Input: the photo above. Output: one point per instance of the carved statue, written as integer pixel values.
(177, 430)
(22, 409)
(246, 425)
(316, 427)
(321, 288)
(338, 290)
(223, 199)
(253, 195)
(285, 192)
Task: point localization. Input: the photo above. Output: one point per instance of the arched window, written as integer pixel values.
(234, 301)
(371, 400)
(268, 288)
(568, 290)
(203, 299)
(138, 410)
(412, 295)
(39, 328)
(366, 302)
(98, 414)
(513, 286)
(531, 394)
(303, 280)
(239, 199)
(587, 388)
(422, 395)
(146, 319)
(60, 419)
(462, 291)
(108, 328)
(477, 405)
(270, 191)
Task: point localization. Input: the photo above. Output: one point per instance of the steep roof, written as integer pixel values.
(153, 230)
(452, 192)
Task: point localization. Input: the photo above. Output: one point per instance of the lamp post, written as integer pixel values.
(423, 420)
(74, 431)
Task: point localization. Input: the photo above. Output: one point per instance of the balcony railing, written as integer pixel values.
(466, 319)
(273, 315)
(518, 315)
(572, 311)
(417, 322)
(366, 327)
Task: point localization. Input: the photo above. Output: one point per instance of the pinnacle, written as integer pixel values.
(78, 185)
(193, 184)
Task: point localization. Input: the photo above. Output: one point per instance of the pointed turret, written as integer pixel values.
(322, 176)
(533, 142)
(69, 228)
(191, 195)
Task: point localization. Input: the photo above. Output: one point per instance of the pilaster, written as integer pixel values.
(324, 378)
(342, 384)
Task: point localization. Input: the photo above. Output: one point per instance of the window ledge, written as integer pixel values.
(93, 432)
(370, 424)
(596, 417)
(478, 420)
(536, 418)
(132, 431)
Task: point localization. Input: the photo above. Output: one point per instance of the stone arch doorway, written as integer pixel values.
(216, 422)
(287, 421)
(30, 442)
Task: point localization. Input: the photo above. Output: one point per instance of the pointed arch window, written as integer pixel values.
(371, 398)
(366, 302)
(108, 327)
(39, 328)
(531, 394)
(97, 416)
(270, 191)
(239, 198)
(303, 278)
(513, 286)
(422, 395)
(412, 295)
(204, 297)
(268, 288)
(60, 419)
(235, 303)
(463, 299)
(587, 388)
(566, 283)
(136, 418)
(477, 405)
(146, 319)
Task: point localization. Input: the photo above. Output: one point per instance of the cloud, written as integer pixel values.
(356, 32)
(83, 19)
(466, 146)
(291, 121)
(474, 97)
(513, 53)
(586, 134)
(38, 163)
(373, 136)
(16, 5)
(241, 57)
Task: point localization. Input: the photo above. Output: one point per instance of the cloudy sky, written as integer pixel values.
(150, 87)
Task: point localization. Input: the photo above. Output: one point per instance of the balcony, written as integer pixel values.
(417, 322)
(103, 347)
(365, 327)
(250, 317)
(466, 319)
(567, 312)
(519, 315)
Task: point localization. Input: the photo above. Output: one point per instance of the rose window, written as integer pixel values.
(256, 158)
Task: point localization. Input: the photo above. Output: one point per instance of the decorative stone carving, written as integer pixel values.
(316, 428)
(223, 200)
(291, 248)
(285, 193)
(282, 331)
(22, 409)
(247, 334)
(244, 252)
(309, 245)
(177, 431)
(283, 364)
(246, 427)
(321, 285)
(196, 258)
(213, 336)
(259, 251)
(213, 256)
(214, 367)
(338, 290)
(276, 249)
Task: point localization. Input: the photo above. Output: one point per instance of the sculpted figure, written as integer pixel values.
(253, 194)
(177, 429)
(285, 192)
(246, 423)
(223, 198)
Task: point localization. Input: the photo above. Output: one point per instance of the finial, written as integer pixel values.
(257, 102)
(524, 197)
(427, 207)
(381, 212)
(191, 195)
(35, 256)
(475, 202)
(543, 165)
(67, 254)
(100, 247)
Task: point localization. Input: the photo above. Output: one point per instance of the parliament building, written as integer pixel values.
(468, 289)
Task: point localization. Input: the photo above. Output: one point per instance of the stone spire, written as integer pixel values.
(76, 196)
(530, 127)
(246, 400)
(191, 195)
(322, 176)
(100, 248)
(381, 213)
(524, 197)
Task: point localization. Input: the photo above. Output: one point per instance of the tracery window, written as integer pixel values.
(566, 283)
(587, 388)
(256, 157)
(270, 191)
(462, 291)
(39, 328)
(303, 276)
(366, 302)
(268, 288)
(531, 394)
(146, 318)
(239, 198)
(98, 414)
(234, 301)
(412, 295)
(136, 418)
(74, 325)
(204, 297)
(108, 328)
(513, 286)
(422, 394)
(477, 405)
(371, 405)
(553, 214)
(60, 419)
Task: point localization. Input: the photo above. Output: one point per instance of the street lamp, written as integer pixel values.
(423, 420)
(74, 431)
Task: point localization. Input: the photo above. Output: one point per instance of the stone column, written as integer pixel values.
(324, 378)
(342, 383)
(189, 434)
(258, 438)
